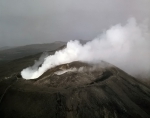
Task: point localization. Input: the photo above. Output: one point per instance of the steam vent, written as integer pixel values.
(76, 90)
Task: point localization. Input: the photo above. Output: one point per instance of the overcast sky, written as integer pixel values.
(40, 21)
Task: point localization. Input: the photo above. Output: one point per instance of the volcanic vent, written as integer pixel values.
(74, 74)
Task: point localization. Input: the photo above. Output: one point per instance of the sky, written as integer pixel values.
(24, 22)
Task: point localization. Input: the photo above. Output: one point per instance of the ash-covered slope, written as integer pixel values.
(76, 90)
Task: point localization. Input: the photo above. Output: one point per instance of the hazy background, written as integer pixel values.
(40, 21)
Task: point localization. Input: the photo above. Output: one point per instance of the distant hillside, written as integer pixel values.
(23, 51)
(5, 48)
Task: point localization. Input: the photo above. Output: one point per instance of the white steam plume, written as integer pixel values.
(127, 47)
(65, 71)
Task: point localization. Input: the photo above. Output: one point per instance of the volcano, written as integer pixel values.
(75, 90)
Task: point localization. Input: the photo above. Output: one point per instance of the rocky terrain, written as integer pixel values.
(75, 90)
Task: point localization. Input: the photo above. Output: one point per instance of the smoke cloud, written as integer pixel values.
(125, 46)
(37, 64)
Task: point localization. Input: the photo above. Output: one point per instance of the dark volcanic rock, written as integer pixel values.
(88, 92)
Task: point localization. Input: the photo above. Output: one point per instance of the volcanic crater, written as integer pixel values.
(76, 90)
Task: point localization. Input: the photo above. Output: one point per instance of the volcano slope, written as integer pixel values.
(75, 90)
